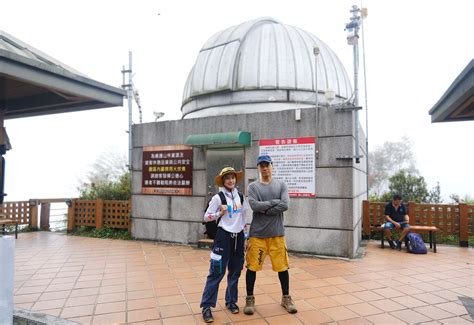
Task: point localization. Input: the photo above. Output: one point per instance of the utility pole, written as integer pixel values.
(129, 87)
(364, 14)
(353, 39)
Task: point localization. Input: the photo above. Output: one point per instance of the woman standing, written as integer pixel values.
(228, 249)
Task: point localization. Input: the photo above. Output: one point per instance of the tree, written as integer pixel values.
(109, 179)
(109, 166)
(388, 159)
(455, 198)
(410, 186)
(435, 194)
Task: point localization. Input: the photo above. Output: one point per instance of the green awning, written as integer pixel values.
(220, 140)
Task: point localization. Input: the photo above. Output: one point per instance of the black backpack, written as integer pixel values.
(211, 226)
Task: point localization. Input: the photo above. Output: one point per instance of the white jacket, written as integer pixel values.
(234, 221)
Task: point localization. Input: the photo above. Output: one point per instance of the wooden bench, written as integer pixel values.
(205, 242)
(9, 222)
(431, 230)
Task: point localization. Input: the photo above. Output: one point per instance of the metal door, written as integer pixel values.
(217, 159)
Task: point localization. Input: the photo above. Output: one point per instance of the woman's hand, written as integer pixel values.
(223, 210)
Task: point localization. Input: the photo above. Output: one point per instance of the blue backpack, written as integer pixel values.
(416, 245)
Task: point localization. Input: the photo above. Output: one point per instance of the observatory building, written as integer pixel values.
(261, 87)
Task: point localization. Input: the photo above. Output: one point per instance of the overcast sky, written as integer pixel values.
(414, 51)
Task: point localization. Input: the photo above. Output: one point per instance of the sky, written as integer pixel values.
(413, 52)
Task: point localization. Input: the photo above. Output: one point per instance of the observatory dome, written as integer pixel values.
(259, 66)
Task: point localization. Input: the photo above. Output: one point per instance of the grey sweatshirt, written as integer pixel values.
(268, 201)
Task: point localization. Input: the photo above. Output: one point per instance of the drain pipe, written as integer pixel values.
(316, 52)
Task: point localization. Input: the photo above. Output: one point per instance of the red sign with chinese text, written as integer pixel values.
(167, 170)
(294, 162)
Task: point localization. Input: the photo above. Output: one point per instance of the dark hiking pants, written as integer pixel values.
(227, 253)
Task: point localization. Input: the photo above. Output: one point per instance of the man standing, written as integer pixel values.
(397, 217)
(268, 199)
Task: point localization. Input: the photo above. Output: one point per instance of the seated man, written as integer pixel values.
(397, 217)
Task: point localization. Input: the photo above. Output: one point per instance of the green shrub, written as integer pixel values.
(104, 232)
(107, 189)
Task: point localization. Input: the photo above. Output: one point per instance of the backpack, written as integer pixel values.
(211, 226)
(416, 245)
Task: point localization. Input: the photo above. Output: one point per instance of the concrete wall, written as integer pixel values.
(328, 225)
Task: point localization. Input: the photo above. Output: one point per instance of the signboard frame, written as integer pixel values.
(167, 170)
(294, 162)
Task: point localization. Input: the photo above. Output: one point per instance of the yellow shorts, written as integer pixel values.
(258, 248)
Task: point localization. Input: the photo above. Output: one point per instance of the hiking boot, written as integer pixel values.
(234, 309)
(207, 315)
(249, 305)
(391, 243)
(288, 304)
(399, 245)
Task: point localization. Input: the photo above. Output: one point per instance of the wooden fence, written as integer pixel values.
(450, 219)
(25, 212)
(99, 213)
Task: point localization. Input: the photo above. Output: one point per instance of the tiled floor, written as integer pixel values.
(98, 281)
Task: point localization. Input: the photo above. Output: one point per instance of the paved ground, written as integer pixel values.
(98, 281)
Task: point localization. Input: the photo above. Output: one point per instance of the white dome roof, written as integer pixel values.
(261, 65)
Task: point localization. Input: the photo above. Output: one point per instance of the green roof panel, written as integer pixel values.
(226, 139)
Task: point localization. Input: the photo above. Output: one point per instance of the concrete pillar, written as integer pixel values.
(7, 268)
(34, 214)
(44, 221)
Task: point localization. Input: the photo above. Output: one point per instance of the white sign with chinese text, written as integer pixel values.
(294, 162)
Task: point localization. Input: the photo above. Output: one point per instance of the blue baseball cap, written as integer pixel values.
(264, 158)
